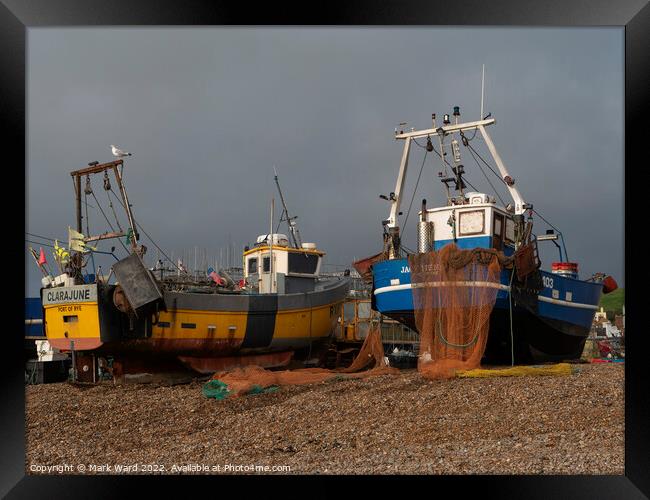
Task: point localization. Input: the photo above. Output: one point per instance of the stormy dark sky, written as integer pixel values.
(208, 112)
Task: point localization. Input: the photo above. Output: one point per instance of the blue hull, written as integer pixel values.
(33, 325)
(552, 328)
(34, 311)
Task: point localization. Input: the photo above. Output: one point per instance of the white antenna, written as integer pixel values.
(482, 91)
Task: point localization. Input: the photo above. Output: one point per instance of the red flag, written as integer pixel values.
(41, 259)
(217, 279)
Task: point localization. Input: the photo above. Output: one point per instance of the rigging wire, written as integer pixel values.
(110, 204)
(473, 151)
(154, 244)
(62, 239)
(475, 131)
(416, 188)
(39, 243)
(279, 222)
(418, 181)
(408, 250)
(445, 160)
(43, 237)
(566, 256)
(92, 257)
(150, 238)
(109, 223)
(87, 219)
(487, 164)
(74, 185)
(487, 179)
(100, 209)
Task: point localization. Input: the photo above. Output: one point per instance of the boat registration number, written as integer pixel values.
(548, 281)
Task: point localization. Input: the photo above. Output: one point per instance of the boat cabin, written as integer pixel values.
(471, 220)
(273, 266)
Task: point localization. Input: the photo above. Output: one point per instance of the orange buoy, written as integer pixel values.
(609, 284)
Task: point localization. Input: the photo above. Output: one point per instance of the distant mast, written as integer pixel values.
(293, 228)
(271, 248)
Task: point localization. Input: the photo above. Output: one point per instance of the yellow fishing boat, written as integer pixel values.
(281, 308)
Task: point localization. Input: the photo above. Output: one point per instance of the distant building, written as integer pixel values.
(619, 321)
(600, 316)
(603, 328)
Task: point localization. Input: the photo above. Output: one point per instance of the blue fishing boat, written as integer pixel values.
(539, 315)
(33, 325)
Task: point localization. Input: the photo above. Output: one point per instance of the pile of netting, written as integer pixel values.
(254, 379)
(454, 292)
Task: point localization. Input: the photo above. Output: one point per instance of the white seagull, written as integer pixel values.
(119, 153)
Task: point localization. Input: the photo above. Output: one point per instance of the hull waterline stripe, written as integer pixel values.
(488, 284)
(567, 303)
(436, 284)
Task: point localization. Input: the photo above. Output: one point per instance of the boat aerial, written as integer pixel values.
(280, 308)
(539, 315)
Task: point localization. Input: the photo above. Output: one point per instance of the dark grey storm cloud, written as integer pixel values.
(208, 112)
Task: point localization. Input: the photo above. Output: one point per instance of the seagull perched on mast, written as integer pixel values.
(119, 153)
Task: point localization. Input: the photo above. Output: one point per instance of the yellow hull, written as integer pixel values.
(208, 327)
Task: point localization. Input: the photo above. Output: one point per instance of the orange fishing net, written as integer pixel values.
(454, 292)
(255, 378)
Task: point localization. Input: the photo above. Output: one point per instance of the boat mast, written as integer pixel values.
(293, 228)
(127, 207)
(271, 248)
(96, 168)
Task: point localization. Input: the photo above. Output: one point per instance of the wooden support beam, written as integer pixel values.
(104, 236)
(96, 168)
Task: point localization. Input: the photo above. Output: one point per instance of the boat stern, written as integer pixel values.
(71, 317)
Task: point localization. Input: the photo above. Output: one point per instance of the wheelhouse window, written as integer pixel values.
(510, 230)
(266, 264)
(303, 263)
(497, 231)
(472, 222)
(252, 266)
(498, 225)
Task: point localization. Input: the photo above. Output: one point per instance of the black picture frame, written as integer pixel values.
(16, 16)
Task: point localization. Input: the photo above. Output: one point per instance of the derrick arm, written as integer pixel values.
(399, 186)
(514, 192)
(407, 137)
(293, 228)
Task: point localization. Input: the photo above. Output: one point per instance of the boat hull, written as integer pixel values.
(196, 325)
(552, 326)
